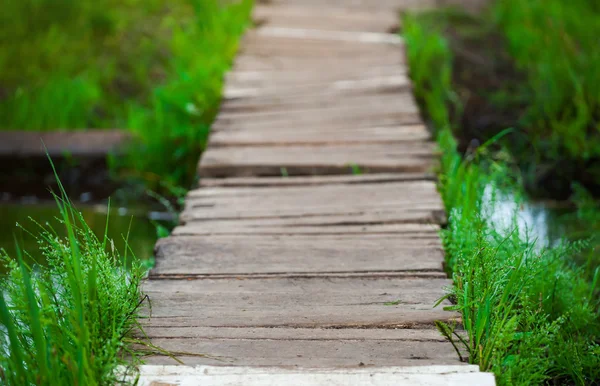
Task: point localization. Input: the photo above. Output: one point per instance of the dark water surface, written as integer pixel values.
(549, 224)
(135, 221)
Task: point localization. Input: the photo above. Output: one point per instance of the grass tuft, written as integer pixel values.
(68, 323)
(530, 314)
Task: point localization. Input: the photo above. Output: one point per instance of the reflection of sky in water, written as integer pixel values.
(135, 222)
(533, 220)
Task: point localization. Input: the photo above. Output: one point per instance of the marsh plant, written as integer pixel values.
(152, 67)
(530, 314)
(70, 321)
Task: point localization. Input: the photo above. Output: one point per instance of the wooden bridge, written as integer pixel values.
(310, 251)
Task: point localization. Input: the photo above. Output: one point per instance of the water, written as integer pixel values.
(547, 223)
(135, 221)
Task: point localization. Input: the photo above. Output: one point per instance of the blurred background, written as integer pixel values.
(115, 98)
(122, 94)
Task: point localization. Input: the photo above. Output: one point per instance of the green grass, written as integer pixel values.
(531, 315)
(152, 67)
(173, 129)
(554, 42)
(529, 65)
(69, 322)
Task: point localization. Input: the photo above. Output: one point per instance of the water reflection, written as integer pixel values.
(135, 221)
(546, 223)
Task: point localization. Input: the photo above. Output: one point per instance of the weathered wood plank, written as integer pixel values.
(287, 334)
(308, 76)
(318, 353)
(256, 62)
(307, 160)
(86, 143)
(305, 49)
(393, 202)
(291, 254)
(324, 225)
(310, 136)
(356, 108)
(365, 5)
(378, 101)
(315, 180)
(324, 18)
(301, 121)
(261, 92)
(341, 89)
(333, 192)
(298, 302)
(435, 375)
(311, 39)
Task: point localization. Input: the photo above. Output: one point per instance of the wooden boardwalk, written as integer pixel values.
(284, 257)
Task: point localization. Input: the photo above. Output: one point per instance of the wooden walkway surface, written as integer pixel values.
(284, 257)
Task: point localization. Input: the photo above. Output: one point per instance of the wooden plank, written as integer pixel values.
(315, 180)
(365, 5)
(279, 91)
(326, 136)
(391, 194)
(324, 77)
(284, 47)
(314, 214)
(373, 190)
(329, 221)
(436, 375)
(319, 225)
(379, 101)
(245, 161)
(286, 334)
(93, 143)
(318, 353)
(298, 302)
(292, 254)
(311, 37)
(347, 106)
(249, 61)
(324, 18)
(300, 121)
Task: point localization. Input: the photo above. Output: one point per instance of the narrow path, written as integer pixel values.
(320, 269)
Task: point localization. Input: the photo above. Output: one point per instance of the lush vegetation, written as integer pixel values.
(69, 322)
(530, 66)
(153, 67)
(554, 43)
(531, 315)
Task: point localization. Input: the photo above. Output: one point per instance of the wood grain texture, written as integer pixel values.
(325, 205)
(323, 18)
(322, 268)
(291, 254)
(364, 5)
(298, 302)
(392, 92)
(245, 161)
(315, 180)
(324, 225)
(325, 136)
(317, 353)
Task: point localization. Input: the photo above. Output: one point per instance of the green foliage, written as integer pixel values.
(172, 130)
(68, 323)
(427, 50)
(555, 43)
(530, 315)
(68, 64)
(153, 67)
